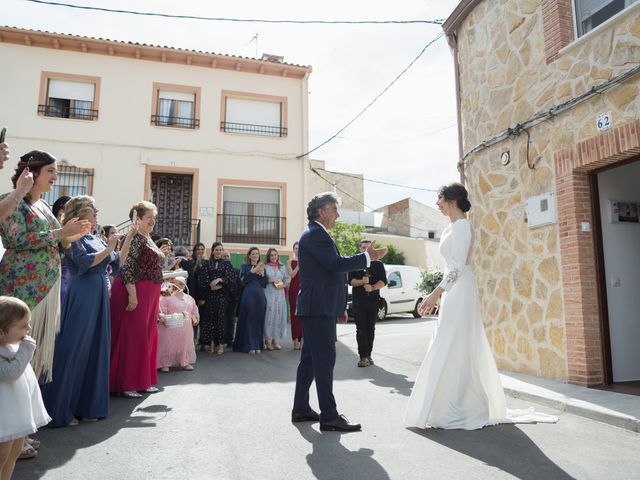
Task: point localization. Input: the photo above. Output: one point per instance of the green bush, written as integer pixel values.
(429, 281)
(393, 256)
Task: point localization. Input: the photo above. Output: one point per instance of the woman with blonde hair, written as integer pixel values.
(135, 298)
(80, 386)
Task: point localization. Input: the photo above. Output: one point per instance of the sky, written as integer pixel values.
(408, 137)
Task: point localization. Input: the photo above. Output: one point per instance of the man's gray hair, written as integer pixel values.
(319, 201)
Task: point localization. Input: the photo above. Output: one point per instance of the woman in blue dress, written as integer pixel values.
(275, 321)
(253, 305)
(80, 386)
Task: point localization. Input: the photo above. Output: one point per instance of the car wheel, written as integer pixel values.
(415, 310)
(382, 310)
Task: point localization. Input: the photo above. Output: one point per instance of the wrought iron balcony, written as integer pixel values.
(68, 112)
(264, 130)
(179, 122)
(251, 229)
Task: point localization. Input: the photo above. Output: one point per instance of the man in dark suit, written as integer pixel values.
(322, 300)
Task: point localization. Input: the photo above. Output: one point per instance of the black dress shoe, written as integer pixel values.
(340, 424)
(309, 416)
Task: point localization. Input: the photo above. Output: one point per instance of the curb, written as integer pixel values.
(580, 408)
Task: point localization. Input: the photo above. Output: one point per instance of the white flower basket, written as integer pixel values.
(173, 320)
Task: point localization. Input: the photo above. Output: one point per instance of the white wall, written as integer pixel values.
(622, 261)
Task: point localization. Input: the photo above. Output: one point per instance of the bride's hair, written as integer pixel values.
(456, 192)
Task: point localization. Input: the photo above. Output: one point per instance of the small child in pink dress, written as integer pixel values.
(178, 315)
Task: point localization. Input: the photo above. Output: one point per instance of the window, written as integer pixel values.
(254, 115)
(71, 181)
(431, 234)
(68, 96)
(250, 215)
(394, 277)
(591, 13)
(175, 109)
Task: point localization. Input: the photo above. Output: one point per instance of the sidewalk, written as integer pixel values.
(618, 409)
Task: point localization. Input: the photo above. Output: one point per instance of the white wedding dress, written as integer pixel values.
(458, 385)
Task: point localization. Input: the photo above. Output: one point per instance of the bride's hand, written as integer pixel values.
(428, 305)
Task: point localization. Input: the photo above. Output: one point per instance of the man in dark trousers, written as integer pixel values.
(322, 300)
(366, 285)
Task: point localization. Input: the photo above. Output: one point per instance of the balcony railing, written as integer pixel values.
(181, 231)
(68, 112)
(251, 229)
(180, 122)
(266, 130)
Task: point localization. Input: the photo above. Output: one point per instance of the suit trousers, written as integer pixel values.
(365, 314)
(317, 359)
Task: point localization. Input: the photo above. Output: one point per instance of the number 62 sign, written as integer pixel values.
(603, 122)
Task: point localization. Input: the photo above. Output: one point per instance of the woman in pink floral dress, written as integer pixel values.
(175, 343)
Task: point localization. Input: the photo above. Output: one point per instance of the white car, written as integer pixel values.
(400, 295)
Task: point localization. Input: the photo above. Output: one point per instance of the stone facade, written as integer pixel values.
(411, 218)
(506, 75)
(352, 183)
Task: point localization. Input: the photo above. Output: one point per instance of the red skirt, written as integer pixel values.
(134, 337)
(296, 326)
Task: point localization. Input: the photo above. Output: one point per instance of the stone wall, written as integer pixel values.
(352, 184)
(504, 80)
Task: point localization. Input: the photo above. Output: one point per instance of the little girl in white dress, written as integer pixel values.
(22, 409)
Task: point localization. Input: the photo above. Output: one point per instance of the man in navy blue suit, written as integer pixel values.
(322, 300)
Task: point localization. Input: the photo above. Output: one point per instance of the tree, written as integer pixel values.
(347, 237)
(393, 256)
(429, 281)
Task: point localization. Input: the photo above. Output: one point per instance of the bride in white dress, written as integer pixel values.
(458, 385)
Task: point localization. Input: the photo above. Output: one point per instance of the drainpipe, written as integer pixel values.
(453, 43)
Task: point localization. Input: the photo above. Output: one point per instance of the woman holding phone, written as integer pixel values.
(30, 267)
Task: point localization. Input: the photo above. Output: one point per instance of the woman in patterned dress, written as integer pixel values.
(218, 280)
(135, 298)
(30, 267)
(275, 319)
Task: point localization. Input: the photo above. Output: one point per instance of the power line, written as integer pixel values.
(438, 21)
(343, 174)
(551, 112)
(376, 97)
(391, 220)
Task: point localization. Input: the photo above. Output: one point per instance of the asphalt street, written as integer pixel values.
(230, 419)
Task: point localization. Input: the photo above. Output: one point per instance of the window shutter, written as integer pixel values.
(182, 96)
(71, 90)
(587, 8)
(253, 112)
(251, 195)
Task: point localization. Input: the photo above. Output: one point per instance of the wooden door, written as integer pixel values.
(172, 194)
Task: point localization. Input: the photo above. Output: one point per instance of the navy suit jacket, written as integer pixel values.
(323, 279)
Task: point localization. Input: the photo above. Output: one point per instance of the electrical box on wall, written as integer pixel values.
(541, 210)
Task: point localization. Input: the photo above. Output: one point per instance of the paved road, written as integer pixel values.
(229, 419)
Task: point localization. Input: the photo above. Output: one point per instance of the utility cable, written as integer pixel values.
(382, 182)
(357, 200)
(551, 112)
(438, 21)
(376, 97)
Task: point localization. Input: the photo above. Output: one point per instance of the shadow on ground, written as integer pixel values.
(504, 447)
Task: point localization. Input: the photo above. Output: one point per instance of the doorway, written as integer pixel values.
(618, 198)
(172, 193)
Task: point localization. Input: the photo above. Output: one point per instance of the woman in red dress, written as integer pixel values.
(134, 302)
(294, 288)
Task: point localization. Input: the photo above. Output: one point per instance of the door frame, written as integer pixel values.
(194, 172)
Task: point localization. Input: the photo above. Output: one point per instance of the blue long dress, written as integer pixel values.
(253, 305)
(80, 386)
